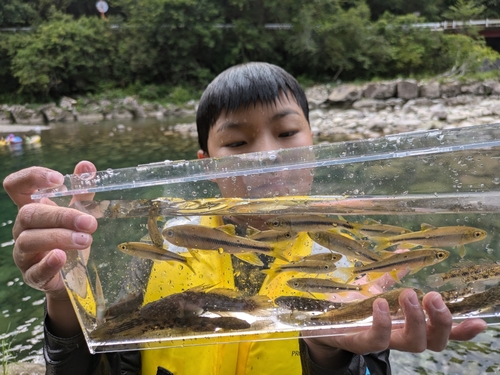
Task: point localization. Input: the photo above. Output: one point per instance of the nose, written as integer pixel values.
(267, 143)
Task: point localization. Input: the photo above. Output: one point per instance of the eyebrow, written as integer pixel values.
(276, 116)
(229, 125)
(283, 113)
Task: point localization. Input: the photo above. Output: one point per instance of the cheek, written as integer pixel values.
(232, 187)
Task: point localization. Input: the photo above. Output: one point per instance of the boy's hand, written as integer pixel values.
(43, 232)
(416, 335)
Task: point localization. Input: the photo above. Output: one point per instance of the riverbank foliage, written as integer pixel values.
(172, 48)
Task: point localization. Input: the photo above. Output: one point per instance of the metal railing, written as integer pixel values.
(444, 25)
(449, 25)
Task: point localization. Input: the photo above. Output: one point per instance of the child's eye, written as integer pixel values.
(287, 134)
(235, 144)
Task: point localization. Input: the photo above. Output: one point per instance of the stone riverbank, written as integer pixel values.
(344, 112)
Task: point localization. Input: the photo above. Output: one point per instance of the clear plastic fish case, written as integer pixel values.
(276, 244)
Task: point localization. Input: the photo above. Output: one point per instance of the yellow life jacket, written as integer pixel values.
(239, 358)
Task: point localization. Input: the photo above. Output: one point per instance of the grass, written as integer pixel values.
(5, 344)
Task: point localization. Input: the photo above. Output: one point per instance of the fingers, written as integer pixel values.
(42, 216)
(416, 335)
(82, 168)
(376, 338)
(22, 184)
(413, 336)
(468, 329)
(42, 233)
(44, 275)
(439, 322)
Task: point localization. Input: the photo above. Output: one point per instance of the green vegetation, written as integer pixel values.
(5, 352)
(168, 50)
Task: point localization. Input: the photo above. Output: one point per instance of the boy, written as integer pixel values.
(247, 108)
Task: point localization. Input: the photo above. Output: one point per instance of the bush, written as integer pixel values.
(62, 56)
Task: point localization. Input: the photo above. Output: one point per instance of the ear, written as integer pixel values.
(202, 154)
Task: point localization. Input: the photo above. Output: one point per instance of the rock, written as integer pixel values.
(25, 368)
(493, 87)
(380, 90)
(186, 129)
(134, 107)
(106, 107)
(451, 89)
(5, 117)
(461, 100)
(51, 113)
(438, 112)
(457, 117)
(394, 102)
(372, 104)
(317, 95)
(407, 89)
(25, 116)
(67, 103)
(476, 88)
(345, 93)
(430, 90)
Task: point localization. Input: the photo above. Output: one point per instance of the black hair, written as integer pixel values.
(241, 85)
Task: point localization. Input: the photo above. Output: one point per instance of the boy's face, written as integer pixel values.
(261, 128)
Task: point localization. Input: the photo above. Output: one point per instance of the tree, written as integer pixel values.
(332, 40)
(168, 41)
(62, 56)
(14, 13)
(430, 10)
(464, 10)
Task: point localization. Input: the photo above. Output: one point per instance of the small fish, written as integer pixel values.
(315, 285)
(183, 310)
(412, 261)
(125, 305)
(476, 302)
(339, 243)
(135, 326)
(434, 237)
(100, 302)
(305, 303)
(465, 274)
(315, 264)
(363, 309)
(455, 294)
(222, 239)
(196, 302)
(148, 251)
(273, 236)
(375, 228)
(307, 223)
(153, 230)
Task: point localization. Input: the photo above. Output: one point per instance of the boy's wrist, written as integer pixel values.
(326, 356)
(61, 318)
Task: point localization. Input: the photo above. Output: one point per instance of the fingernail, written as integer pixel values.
(383, 307)
(413, 299)
(438, 303)
(84, 222)
(81, 239)
(52, 260)
(55, 177)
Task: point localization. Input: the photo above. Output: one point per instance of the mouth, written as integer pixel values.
(271, 188)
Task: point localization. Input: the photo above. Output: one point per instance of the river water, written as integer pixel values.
(123, 144)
